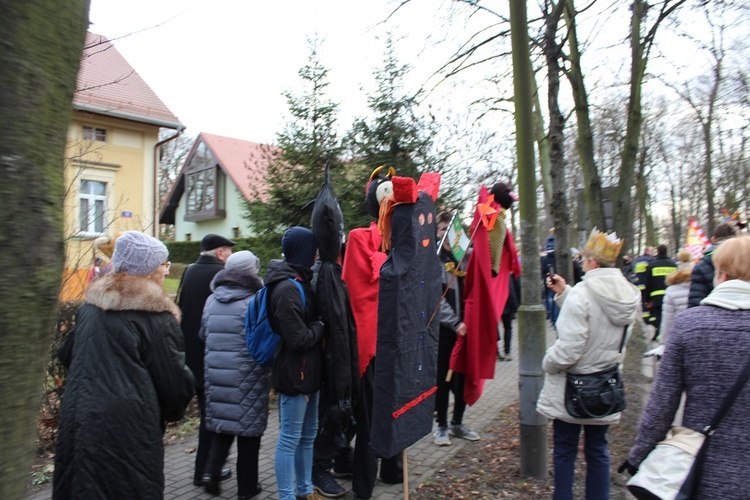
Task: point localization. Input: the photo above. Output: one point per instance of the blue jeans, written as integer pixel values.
(595, 450)
(550, 305)
(298, 418)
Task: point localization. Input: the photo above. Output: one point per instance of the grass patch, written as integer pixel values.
(171, 285)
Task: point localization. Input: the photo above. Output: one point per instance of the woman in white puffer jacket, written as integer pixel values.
(677, 294)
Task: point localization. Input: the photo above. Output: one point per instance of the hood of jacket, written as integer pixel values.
(615, 295)
(278, 270)
(126, 292)
(231, 284)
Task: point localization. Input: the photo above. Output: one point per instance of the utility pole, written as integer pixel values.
(532, 341)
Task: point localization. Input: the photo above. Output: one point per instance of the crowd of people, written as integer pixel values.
(136, 357)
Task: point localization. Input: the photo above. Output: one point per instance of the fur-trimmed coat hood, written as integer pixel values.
(125, 292)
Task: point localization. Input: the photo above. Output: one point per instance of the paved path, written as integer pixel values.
(425, 458)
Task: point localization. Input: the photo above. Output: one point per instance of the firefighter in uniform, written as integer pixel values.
(658, 270)
(641, 271)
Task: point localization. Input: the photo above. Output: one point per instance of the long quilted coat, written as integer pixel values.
(236, 386)
(127, 375)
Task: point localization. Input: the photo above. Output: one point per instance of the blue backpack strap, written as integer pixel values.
(301, 292)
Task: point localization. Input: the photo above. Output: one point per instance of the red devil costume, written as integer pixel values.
(485, 292)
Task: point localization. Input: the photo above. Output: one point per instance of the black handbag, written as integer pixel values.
(596, 395)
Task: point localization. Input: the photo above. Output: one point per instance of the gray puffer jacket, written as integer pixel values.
(236, 386)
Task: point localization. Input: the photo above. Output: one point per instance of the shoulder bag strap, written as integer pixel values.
(624, 336)
(728, 400)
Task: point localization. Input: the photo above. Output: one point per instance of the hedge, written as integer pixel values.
(266, 247)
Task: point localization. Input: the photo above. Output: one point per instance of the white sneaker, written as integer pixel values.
(441, 437)
(463, 432)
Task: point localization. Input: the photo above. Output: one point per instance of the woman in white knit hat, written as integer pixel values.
(127, 376)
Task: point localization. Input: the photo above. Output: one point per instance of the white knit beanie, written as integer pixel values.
(138, 253)
(244, 261)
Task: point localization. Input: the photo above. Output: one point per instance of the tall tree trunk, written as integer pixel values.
(42, 42)
(708, 160)
(542, 144)
(532, 340)
(559, 206)
(622, 221)
(592, 184)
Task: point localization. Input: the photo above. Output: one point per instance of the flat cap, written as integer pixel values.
(211, 241)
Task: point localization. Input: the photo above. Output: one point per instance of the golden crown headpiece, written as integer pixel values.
(603, 247)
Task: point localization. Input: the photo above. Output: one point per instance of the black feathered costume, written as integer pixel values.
(341, 366)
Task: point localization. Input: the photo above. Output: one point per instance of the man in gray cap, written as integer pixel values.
(194, 289)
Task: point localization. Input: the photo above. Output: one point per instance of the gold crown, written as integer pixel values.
(603, 247)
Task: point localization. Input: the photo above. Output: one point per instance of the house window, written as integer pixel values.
(92, 203)
(189, 237)
(235, 232)
(204, 186)
(94, 134)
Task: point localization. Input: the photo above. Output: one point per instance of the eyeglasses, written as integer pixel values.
(167, 264)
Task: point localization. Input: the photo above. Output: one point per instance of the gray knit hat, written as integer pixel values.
(244, 261)
(138, 253)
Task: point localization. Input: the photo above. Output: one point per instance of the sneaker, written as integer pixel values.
(343, 470)
(506, 357)
(441, 437)
(463, 432)
(326, 485)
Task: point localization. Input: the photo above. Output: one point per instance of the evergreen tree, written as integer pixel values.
(396, 135)
(308, 140)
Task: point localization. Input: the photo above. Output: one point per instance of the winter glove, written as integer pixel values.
(627, 466)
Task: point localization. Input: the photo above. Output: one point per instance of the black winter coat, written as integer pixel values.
(127, 375)
(298, 366)
(702, 279)
(195, 287)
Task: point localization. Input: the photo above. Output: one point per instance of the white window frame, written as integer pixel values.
(91, 229)
(91, 133)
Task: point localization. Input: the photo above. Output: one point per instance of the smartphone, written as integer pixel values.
(551, 272)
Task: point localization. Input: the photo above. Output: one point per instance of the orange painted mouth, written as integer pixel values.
(426, 242)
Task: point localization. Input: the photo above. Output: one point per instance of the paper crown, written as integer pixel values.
(603, 247)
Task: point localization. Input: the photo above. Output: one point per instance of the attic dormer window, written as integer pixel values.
(204, 183)
(94, 134)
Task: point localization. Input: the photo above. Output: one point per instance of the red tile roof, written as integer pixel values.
(245, 162)
(108, 84)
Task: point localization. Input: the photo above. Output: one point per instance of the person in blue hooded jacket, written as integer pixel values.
(297, 368)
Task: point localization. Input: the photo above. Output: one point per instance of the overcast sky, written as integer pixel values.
(221, 66)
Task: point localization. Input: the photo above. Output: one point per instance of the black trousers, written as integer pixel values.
(248, 449)
(365, 463)
(507, 331)
(326, 453)
(204, 436)
(456, 385)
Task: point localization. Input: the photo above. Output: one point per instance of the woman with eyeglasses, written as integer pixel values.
(127, 377)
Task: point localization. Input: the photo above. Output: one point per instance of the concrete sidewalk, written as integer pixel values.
(424, 457)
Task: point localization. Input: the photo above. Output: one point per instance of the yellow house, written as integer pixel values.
(111, 161)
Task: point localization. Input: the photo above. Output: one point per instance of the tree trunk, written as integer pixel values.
(592, 184)
(622, 221)
(531, 321)
(559, 205)
(42, 45)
